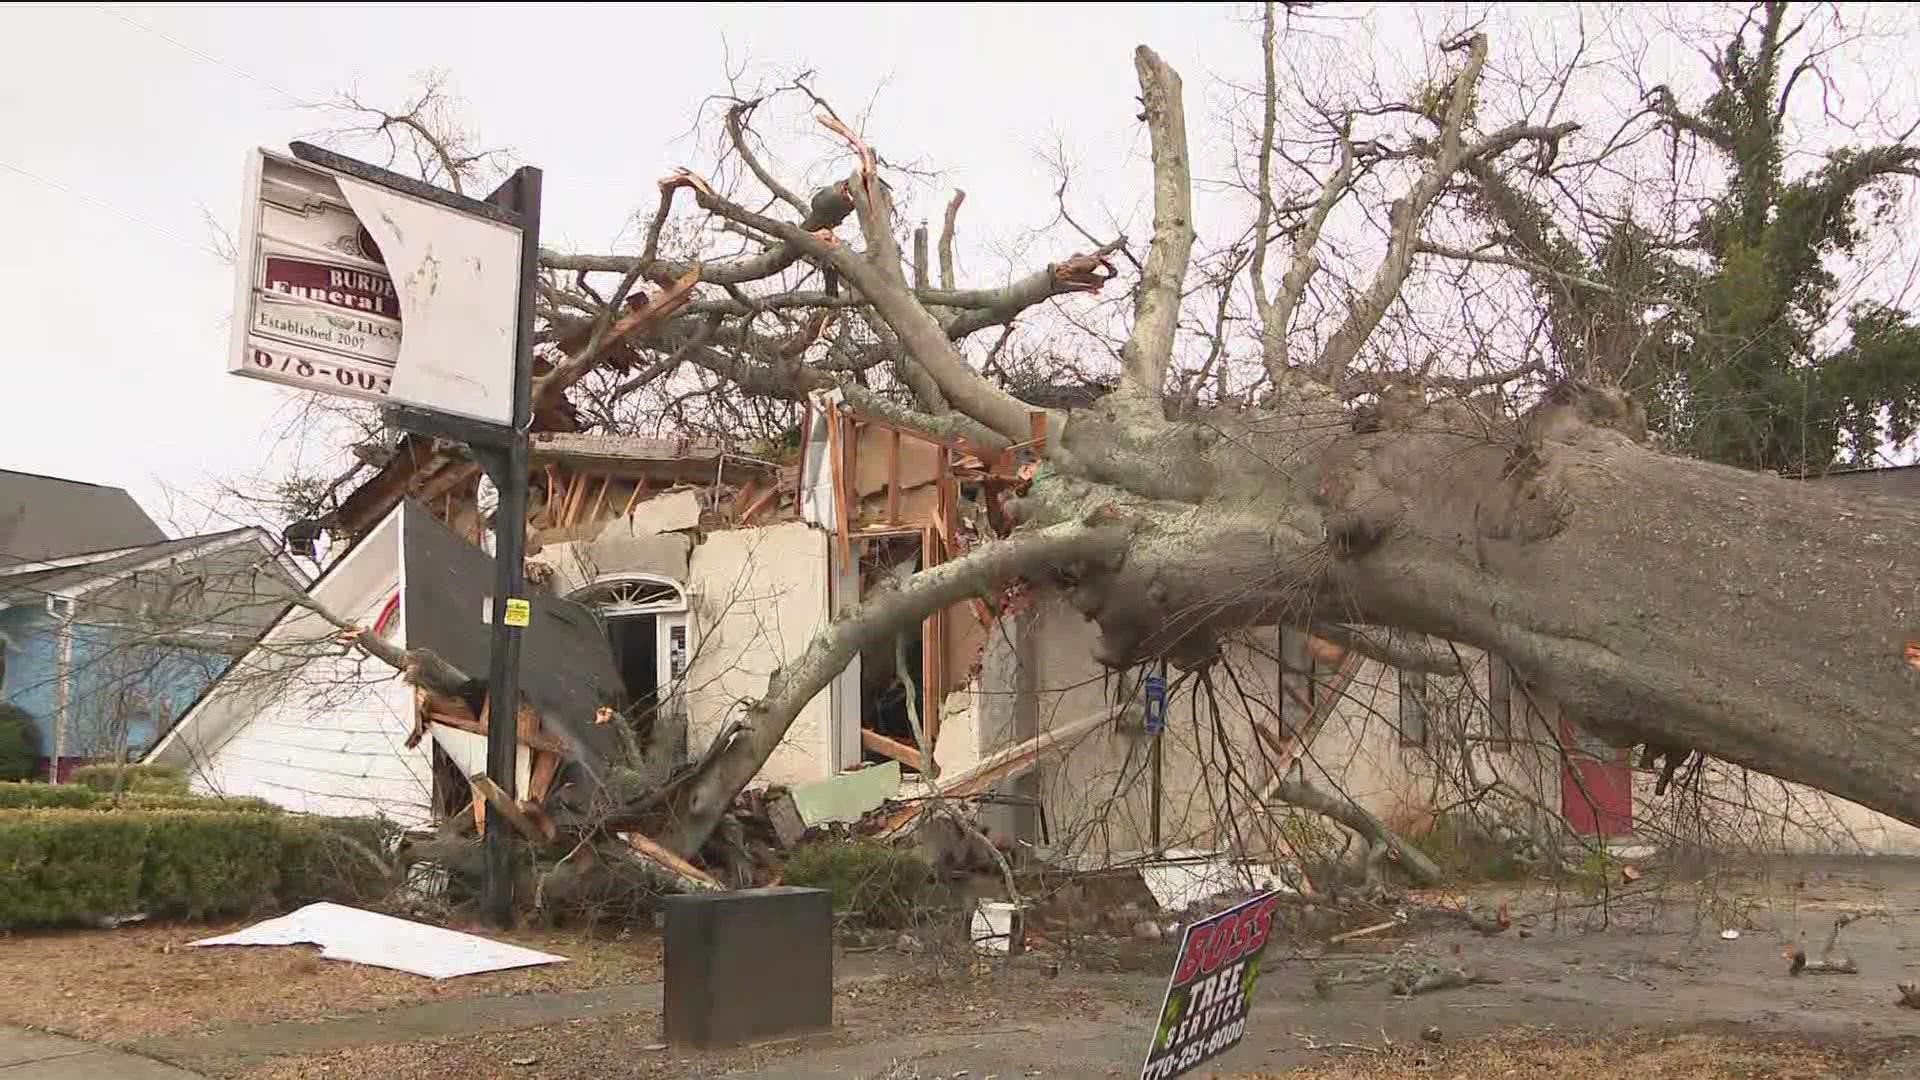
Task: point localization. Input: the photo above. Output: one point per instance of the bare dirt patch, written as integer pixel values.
(1007, 1005)
(1533, 1055)
(138, 981)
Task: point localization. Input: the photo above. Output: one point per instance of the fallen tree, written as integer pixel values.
(1765, 628)
(1656, 599)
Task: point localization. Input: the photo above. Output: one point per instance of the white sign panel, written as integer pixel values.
(346, 287)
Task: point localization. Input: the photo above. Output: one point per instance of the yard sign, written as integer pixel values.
(1204, 1012)
(349, 287)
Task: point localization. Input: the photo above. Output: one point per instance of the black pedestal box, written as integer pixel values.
(748, 966)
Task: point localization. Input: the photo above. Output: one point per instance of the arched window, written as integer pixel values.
(632, 594)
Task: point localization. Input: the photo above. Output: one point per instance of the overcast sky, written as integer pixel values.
(118, 124)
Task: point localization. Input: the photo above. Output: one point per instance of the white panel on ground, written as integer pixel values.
(1190, 878)
(368, 937)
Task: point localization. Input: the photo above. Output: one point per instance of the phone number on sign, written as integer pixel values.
(1194, 1053)
(346, 378)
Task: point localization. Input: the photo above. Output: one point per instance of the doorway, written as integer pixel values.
(645, 619)
(1596, 784)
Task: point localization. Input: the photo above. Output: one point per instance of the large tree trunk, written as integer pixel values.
(1656, 598)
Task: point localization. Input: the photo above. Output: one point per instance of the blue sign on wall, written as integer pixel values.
(1156, 704)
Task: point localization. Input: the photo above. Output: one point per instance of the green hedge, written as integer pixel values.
(48, 797)
(74, 865)
(883, 884)
(151, 779)
(77, 797)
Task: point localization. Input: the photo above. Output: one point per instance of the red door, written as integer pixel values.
(1596, 784)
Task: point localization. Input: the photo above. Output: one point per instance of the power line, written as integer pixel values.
(112, 209)
(201, 54)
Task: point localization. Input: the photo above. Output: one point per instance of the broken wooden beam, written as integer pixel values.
(754, 508)
(546, 764)
(1002, 765)
(893, 477)
(455, 714)
(895, 749)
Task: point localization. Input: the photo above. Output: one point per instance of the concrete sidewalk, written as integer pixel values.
(31, 1055)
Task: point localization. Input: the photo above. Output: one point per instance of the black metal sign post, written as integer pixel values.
(502, 452)
(508, 468)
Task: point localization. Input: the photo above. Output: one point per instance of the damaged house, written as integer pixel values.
(671, 577)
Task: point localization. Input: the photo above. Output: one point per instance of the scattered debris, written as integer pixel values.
(997, 928)
(1828, 963)
(368, 937)
(1185, 879)
(1363, 932)
(1730, 935)
(847, 797)
(1431, 1033)
(1909, 995)
(1433, 977)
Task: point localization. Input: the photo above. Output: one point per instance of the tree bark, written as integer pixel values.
(1655, 598)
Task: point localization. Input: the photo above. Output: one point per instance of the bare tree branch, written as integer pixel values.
(1149, 347)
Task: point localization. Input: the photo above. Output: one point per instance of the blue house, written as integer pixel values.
(108, 628)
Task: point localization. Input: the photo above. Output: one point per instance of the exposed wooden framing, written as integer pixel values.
(478, 807)
(882, 422)
(744, 498)
(1037, 424)
(895, 749)
(800, 474)
(526, 723)
(893, 477)
(552, 480)
(999, 766)
(633, 500)
(837, 463)
(546, 766)
(600, 500)
(455, 714)
(944, 498)
(851, 469)
(577, 484)
(766, 498)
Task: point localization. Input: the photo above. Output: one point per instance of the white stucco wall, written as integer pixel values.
(758, 596)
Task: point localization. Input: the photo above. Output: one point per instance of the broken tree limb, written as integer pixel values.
(418, 667)
(1304, 796)
(691, 877)
(510, 810)
(1439, 979)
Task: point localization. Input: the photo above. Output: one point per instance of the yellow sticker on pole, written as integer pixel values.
(519, 612)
